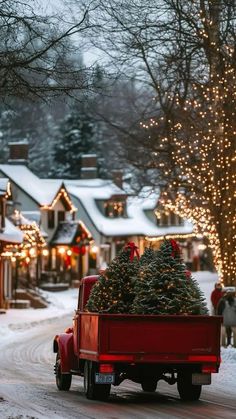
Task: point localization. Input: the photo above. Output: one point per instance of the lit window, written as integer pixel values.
(114, 209)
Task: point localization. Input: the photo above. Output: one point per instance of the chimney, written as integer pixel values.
(18, 152)
(89, 166)
(117, 177)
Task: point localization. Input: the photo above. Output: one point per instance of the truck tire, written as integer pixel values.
(92, 390)
(63, 381)
(187, 391)
(149, 385)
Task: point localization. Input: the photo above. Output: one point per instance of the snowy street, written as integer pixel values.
(28, 389)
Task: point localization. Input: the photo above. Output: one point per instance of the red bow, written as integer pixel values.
(188, 274)
(175, 248)
(133, 250)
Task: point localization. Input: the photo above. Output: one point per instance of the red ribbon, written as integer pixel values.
(175, 248)
(133, 250)
(188, 274)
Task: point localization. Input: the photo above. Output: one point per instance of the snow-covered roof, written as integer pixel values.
(40, 191)
(137, 207)
(147, 198)
(28, 218)
(35, 216)
(19, 219)
(135, 224)
(11, 234)
(32, 216)
(66, 232)
(101, 189)
(25, 141)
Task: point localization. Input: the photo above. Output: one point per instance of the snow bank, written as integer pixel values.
(18, 320)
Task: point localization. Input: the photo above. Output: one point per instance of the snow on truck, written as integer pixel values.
(106, 349)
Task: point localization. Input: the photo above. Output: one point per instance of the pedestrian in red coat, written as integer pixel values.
(216, 295)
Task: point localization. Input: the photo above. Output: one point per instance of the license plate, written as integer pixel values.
(201, 379)
(104, 378)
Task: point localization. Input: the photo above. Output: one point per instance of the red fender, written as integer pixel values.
(65, 346)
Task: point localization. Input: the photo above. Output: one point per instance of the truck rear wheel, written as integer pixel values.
(186, 389)
(92, 390)
(63, 381)
(149, 385)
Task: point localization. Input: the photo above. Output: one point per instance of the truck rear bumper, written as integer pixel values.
(158, 358)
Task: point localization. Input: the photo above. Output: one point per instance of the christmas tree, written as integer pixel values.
(147, 256)
(114, 290)
(165, 287)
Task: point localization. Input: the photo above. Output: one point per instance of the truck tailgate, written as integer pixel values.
(142, 338)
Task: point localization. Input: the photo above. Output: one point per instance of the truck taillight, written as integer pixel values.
(106, 368)
(209, 368)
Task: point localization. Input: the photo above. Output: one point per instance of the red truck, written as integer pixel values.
(106, 349)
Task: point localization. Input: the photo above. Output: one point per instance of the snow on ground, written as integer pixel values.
(206, 282)
(225, 380)
(18, 320)
(65, 302)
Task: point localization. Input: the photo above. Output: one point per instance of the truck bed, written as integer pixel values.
(149, 338)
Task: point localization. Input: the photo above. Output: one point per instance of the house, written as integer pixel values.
(114, 218)
(87, 221)
(27, 264)
(35, 198)
(10, 236)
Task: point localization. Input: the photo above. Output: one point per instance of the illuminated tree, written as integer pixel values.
(185, 50)
(207, 168)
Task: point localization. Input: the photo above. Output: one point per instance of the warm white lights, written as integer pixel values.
(94, 249)
(61, 250)
(32, 252)
(202, 168)
(61, 195)
(202, 246)
(45, 252)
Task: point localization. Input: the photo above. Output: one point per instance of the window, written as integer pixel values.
(51, 219)
(114, 209)
(61, 216)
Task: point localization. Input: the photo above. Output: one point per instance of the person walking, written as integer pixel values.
(216, 295)
(227, 308)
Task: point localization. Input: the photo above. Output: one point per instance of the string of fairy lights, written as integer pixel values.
(203, 138)
(32, 240)
(61, 195)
